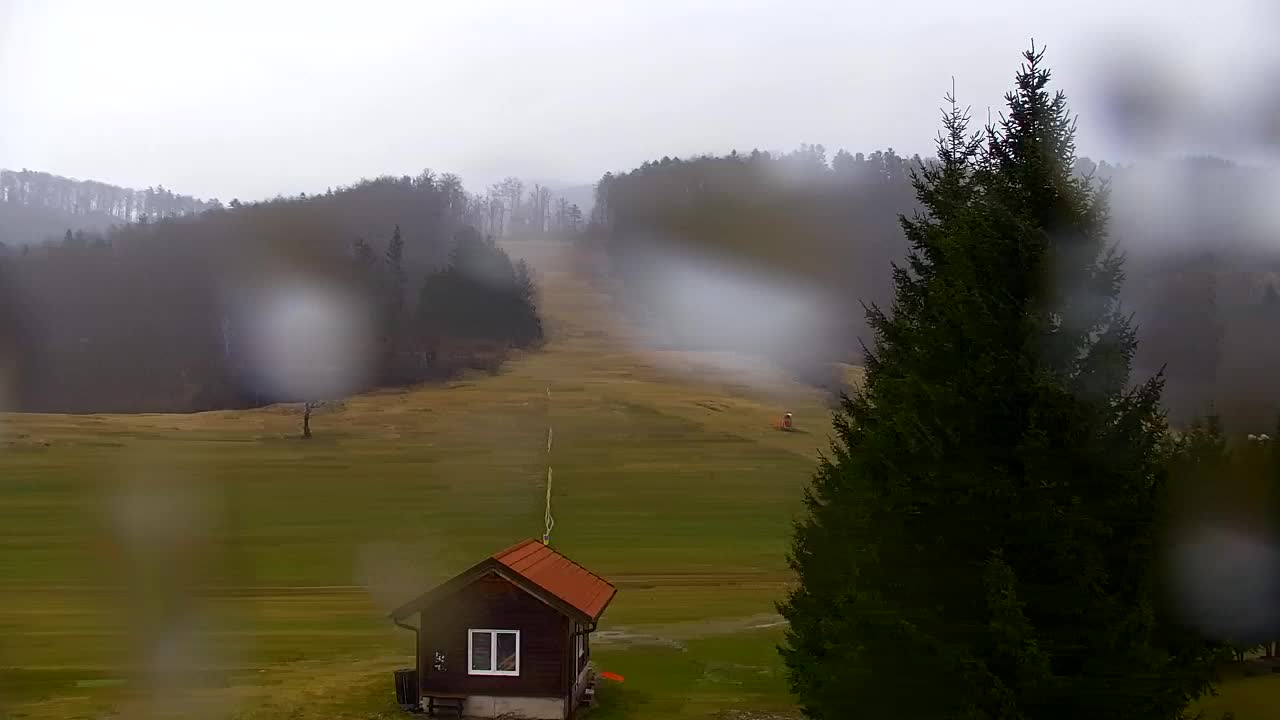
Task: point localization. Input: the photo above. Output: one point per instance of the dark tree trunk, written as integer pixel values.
(306, 421)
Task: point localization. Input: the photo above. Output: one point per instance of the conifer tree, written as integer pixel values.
(393, 320)
(395, 277)
(981, 541)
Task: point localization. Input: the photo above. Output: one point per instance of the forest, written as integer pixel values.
(81, 256)
(1200, 277)
(37, 205)
(164, 311)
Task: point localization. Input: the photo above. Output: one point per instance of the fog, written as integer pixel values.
(315, 94)
(754, 265)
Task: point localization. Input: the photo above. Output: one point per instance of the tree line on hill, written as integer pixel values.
(35, 206)
(1006, 527)
(38, 206)
(505, 210)
(1201, 279)
(152, 315)
(832, 222)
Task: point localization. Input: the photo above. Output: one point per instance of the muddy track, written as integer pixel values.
(674, 635)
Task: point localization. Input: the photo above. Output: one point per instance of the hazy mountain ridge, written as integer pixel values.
(36, 206)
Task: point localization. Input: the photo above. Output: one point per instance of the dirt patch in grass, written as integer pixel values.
(674, 635)
(622, 636)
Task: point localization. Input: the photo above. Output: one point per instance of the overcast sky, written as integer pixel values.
(250, 98)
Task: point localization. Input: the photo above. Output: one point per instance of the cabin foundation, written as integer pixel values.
(536, 708)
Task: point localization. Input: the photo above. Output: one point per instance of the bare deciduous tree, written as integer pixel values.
(307, 407)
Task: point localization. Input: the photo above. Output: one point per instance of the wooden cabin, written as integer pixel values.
(512, 634)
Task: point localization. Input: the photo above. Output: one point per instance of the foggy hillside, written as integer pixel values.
(755, 252)
(37, 206)
(385, 282)
(22, 225)
(775, 253)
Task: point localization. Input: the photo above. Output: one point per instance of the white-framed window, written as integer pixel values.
(493, 652)
(581, 646)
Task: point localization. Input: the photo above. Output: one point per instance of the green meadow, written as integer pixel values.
(213, 565)
(213, 562)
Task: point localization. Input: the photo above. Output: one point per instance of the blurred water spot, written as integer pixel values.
(1145, 102)
(1263, 216)
(308, 336)
(151, 512)
(1225, 583)
(388, 573)
(724, 310)
(1267, 117)
(1160, 93)
(164, 528)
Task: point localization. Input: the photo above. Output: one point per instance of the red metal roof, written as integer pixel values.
(559, 576)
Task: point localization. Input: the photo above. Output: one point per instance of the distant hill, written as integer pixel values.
(36, 206)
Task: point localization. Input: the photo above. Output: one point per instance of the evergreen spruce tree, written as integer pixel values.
(393, 319)
(395, 277)
(367, 272)
(981, 541)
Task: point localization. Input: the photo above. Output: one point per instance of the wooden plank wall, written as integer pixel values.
(494, 603)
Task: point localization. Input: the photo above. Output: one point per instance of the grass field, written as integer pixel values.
(213, 566)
